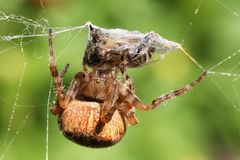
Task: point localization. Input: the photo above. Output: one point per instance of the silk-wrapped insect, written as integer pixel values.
(118, 48)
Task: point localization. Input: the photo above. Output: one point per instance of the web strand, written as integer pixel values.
(16, 100)
(192, 59)
(227, 74)
(228, 8)
(68, 44)
(196, 11)
(47, 119)
(225, 95)
(224, 60)
(3, 155)
(21, 36)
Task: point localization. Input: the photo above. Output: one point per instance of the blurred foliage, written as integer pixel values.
(201, 125)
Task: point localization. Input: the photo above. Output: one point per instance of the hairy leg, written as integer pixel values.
(128, 109)
(171, 95)
(74, 87)
(107, 109)
(57, 78)
(124, 72)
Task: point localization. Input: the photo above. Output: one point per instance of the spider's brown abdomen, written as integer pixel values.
(79, 120)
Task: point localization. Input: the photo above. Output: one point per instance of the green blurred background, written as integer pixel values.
(204, 124)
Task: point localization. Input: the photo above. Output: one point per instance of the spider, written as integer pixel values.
(95, 109)
(121, 49)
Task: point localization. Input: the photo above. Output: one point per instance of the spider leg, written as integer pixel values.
(128, 110)
(126, 106)
(55, 109)
(64, 71)
(104, 119)
(85, 69)
(124, 72)
(168, 96)
(123, 67)
(108, 109)
(115, 72)
(74, 87)
(118, 98)
(56, 77)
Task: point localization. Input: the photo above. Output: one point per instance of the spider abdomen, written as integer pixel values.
(78, 122)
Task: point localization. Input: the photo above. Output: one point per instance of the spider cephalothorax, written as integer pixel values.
(95, 108)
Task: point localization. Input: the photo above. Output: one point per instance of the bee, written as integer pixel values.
(118, 48)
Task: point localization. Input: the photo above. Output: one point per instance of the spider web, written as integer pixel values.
(31, 32)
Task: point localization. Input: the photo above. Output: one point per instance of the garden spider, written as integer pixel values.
(95, 108)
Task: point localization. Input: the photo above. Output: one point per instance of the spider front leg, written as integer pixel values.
(108, 109)
(123, 67)
(57, 78)
(124, 72)
(104, 119)
(168, 96)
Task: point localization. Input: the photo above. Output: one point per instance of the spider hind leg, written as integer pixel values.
(169, 96)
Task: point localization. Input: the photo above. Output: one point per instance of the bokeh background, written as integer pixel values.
(203, 124)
